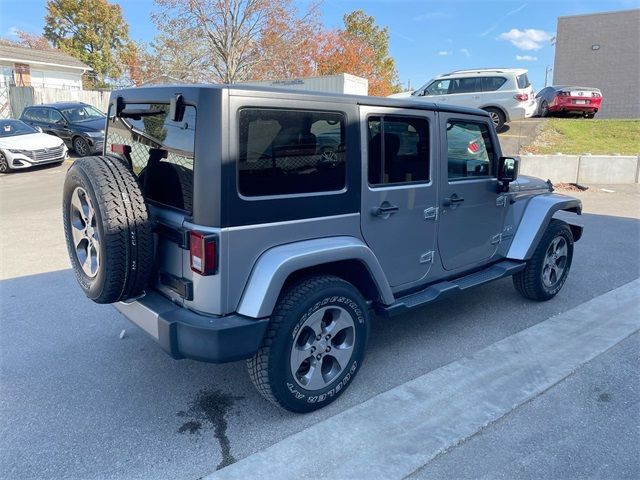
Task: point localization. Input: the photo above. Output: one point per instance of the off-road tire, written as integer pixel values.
(269, 368)
(529, 281)
(122, 221)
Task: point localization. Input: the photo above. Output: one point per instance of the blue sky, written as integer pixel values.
(427, 37)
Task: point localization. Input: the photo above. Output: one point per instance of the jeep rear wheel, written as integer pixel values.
(314, 345)
(547, 270)
(107, 229)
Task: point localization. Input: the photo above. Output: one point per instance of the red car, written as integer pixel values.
(583, 101)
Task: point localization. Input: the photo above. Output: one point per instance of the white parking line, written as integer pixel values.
(395, 433)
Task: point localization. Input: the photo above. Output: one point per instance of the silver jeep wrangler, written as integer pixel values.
(238, 223)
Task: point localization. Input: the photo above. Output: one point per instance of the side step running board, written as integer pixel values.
(439, 290)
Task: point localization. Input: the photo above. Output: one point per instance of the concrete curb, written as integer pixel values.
(613, 169)
(396, 432)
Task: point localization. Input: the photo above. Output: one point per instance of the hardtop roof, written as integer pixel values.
(160, 91)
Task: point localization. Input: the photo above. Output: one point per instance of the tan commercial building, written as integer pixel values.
(602, 50)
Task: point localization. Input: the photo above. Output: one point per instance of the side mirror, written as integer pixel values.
(507, 171)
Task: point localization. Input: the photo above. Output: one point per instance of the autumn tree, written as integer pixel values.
(362, 28)
(342, 53)
(30, 40)
(93, 31)
(238, 39)
(288, 44)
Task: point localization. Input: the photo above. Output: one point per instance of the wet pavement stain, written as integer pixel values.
(209, 409)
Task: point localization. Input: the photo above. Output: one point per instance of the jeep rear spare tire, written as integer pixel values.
(107, 229)
(314, 345)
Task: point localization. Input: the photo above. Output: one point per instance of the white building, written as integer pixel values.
(341, 83)
(28, 67)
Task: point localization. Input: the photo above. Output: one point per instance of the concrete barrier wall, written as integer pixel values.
(582, 168)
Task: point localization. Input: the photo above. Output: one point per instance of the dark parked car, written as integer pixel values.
(583, 101)
(81, 126)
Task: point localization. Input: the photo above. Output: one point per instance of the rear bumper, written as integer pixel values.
(183, 333)
(573, 108)
(521, 111)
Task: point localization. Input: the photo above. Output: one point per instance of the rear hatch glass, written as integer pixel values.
(160, 151)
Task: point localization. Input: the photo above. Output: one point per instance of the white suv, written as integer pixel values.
(505, 93)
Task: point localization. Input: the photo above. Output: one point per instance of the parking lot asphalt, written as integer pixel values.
(79, 401)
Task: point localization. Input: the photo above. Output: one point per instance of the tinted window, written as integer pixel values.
(439, 87)
(523, 81)
(54, 116)
(398, 150)
(36, 114)
(465, 85)
(160, 151)
(491, 84)
(469, 150)
(284, 152)
(82, 113)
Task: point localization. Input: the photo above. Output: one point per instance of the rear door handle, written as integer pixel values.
(453, 200)
(384, 210)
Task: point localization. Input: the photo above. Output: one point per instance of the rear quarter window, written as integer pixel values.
(491, 84)
(523, 81)
(287, 152)
(160, 151)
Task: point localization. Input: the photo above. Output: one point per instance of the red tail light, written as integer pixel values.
(202, 253)
(121, 148)
(473, 147)
(521, 97)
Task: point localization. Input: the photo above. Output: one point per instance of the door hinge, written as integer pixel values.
(431, 213)
(427, 257)
(501, 201)
(496, 239)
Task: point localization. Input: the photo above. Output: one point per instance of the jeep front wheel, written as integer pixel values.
(314, 346)
(547, 270)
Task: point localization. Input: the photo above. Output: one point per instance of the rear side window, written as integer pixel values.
(36, 115)
(491, 84)
(523, 81)
(160, 151)
(465, 85)
(398, 150)
(469, 150)
(286, 152)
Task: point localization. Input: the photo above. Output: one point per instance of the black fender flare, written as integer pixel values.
(535, 220)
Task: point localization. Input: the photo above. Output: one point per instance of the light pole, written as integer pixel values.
(547, 70)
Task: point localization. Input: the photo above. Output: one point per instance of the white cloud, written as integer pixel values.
(12, 32)
(529, 39)
(444, 53)
(526, 58)
(465, 52)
